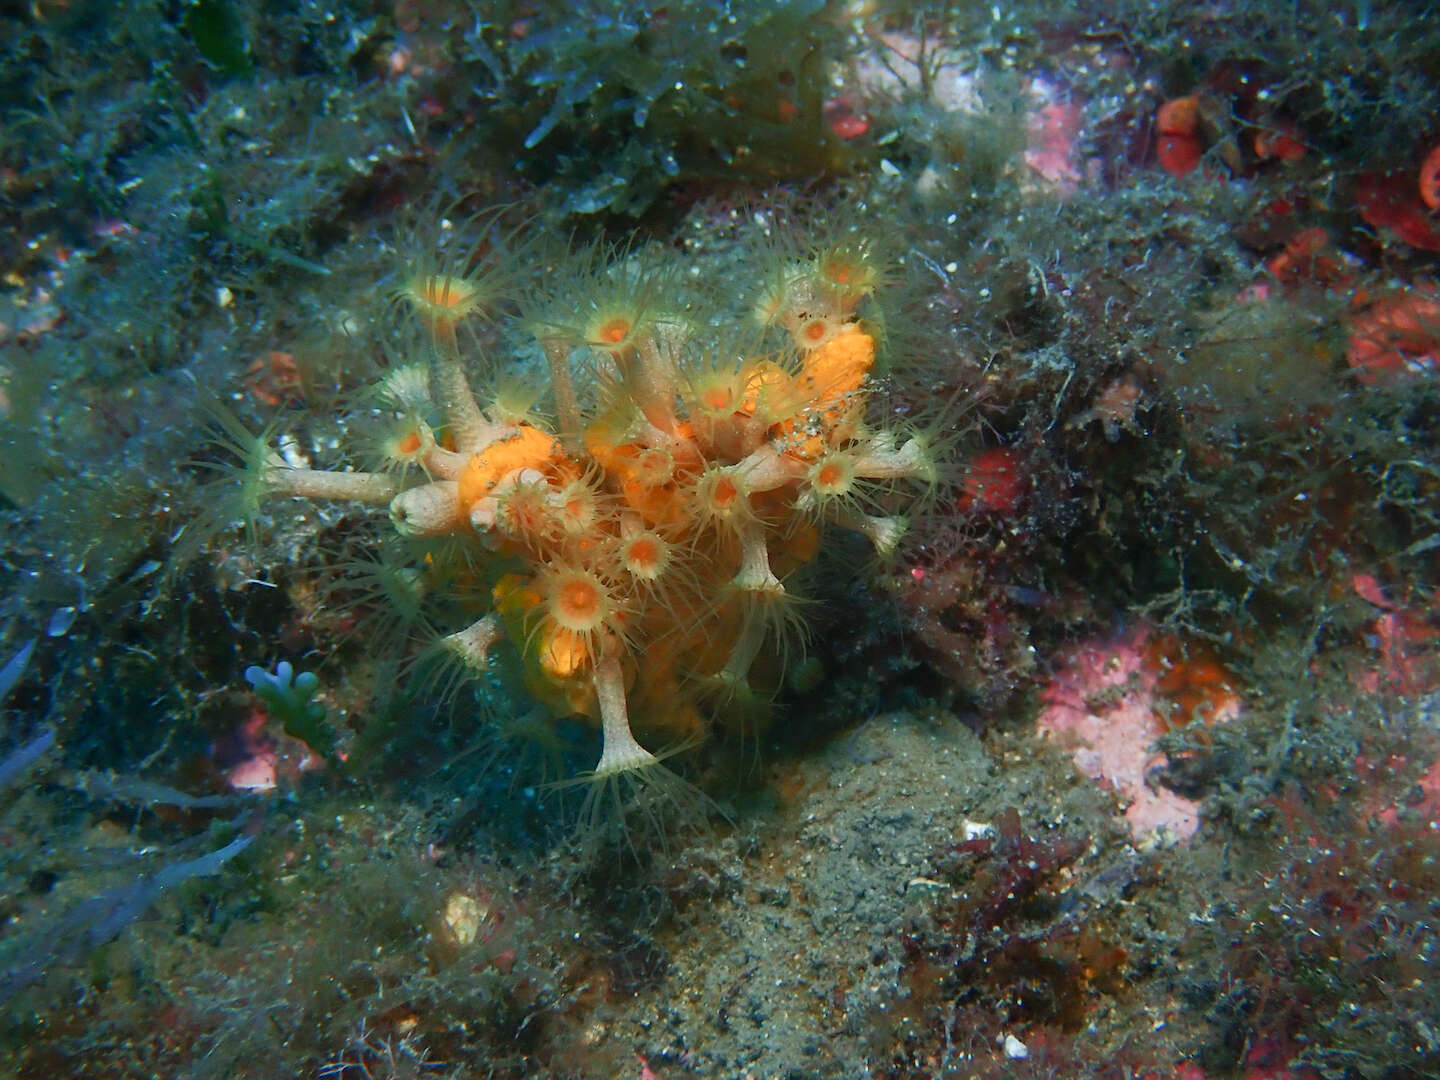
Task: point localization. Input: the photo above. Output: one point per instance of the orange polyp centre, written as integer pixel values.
(644, 553)
(409, 443)
(578, 601)
(830, 477)
(724, 494)
(614, 331)
(814, 331)
(444, 291)
(716, 399)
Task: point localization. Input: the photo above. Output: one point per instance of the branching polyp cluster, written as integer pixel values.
(647, 540)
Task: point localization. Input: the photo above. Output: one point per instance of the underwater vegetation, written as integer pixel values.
(704, 95)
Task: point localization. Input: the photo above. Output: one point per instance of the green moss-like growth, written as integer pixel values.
(618, 103)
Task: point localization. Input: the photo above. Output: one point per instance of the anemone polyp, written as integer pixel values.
(813, 331)
(612, 325)
(723, 492)
(654, 467)
(525, 512)
(444, 296)
(513, 400)
(778, 291)
(645, 555)
(613, 331)
(833, 475)
(578, 508)
(716, 393)
(403, 443)
(849, 270)
(722, 498)
(718, 399)
(579, 600)
(407, 388)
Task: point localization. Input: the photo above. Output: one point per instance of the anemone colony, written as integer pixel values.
(639, 552)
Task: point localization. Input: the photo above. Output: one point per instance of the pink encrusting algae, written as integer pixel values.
(1105, 707)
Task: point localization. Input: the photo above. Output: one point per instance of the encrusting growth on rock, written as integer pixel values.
(640, 553)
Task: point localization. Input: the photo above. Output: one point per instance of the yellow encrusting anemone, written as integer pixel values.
(649, 541)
